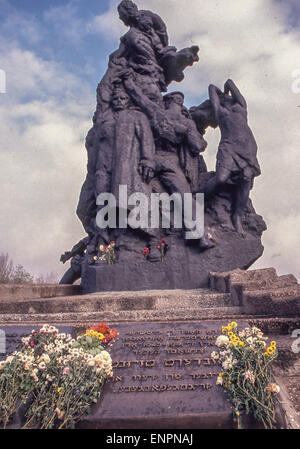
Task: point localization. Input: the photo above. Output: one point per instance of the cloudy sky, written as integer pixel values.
(54, 53)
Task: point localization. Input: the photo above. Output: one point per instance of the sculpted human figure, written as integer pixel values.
(145, 50)
(178, 143)
(130, 15)
(120, 152)
(76, 255)
(146, 45)
(129, 159)
(236, 158)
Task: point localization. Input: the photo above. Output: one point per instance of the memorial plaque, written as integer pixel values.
(164, 376)
(11, 337)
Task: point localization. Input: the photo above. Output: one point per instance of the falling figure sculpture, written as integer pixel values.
(236, 158)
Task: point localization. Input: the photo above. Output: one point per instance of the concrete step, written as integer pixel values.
(118, 301)
(222, 281)
(276, 302)
(88, 318)
(238, 286)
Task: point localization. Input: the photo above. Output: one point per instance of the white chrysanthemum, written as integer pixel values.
(106, 355)
(222, 340)
(219, 380)
(227, 364)
(215, 355)
(25, 340)
(249, 375)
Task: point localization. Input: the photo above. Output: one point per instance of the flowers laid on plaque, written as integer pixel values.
(246, 377)
(57, 377)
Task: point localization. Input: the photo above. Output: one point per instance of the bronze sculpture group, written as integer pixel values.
(150, 142)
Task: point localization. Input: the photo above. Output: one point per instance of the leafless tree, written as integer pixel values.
(6, 268)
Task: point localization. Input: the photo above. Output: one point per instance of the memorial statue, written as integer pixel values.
(144, 139)
(236, 157)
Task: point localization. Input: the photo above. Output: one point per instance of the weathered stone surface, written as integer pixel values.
(184, 267)
(31, 291)
(237, 287)
(118, 301)
(163, 378)
(277, 302)
(222, 281)
(257, 292)
(86, 318)
(260, 292)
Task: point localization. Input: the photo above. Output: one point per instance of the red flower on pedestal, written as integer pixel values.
(146, 252)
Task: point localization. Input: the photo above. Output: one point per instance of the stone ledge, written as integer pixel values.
(118, 301)
(260, 292)
(32, 291)
(122, 316)
(277, 302)
(238, 287)
(222, 281)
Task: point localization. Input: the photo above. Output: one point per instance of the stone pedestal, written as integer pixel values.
(184, 266)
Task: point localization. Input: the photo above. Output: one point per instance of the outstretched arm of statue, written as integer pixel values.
(140, 99)
(147, 149)
(79, 248)
(214, 93)
(231, 87)
(195, 141)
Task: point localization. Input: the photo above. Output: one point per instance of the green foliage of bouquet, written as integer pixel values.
(246, 378)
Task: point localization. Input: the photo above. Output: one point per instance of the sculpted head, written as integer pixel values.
(128, 12)
(120, 99)
(174, 97)
(204, 116)
(226, 100)
(145, 23)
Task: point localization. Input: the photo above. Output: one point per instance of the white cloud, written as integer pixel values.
(107, 24)
(44, 117)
